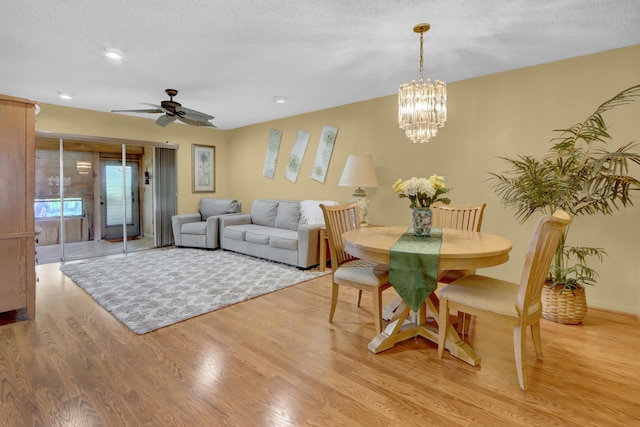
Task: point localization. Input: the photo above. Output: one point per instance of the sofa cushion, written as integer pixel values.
(235, 232)
(256, 237)
(284, 243)
(240, 231)
(211, 207)
(288, 215)
(283, 239)
(263, 212)
(199, 227)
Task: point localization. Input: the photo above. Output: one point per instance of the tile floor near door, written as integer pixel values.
(90, 249)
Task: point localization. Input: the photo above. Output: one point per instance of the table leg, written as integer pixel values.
(398, 329)
(391, 310)
(401, 328)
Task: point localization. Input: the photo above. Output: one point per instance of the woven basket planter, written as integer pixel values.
(564, 306)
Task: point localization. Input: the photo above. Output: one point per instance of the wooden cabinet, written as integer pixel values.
(17, 230)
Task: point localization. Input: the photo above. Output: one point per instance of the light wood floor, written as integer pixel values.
(276, 361)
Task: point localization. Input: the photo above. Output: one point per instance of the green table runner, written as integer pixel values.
(413, 266)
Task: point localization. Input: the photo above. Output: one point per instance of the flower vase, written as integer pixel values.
(421, 221)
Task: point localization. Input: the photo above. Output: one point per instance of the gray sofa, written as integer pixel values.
(201, 230)
(273, 230)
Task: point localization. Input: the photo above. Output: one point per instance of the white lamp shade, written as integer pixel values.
(359, 171)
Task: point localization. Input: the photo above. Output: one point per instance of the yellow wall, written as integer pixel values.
(507, 113)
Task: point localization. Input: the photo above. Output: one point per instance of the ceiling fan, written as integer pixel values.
(174, 111)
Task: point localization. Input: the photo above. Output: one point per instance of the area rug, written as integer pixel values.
(152, 289)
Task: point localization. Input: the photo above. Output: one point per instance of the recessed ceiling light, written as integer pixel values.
(65, 95)
(113, 53)
(280, 99)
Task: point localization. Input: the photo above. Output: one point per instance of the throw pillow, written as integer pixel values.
(311, 213)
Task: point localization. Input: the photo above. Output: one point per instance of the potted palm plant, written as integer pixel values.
(580, 175)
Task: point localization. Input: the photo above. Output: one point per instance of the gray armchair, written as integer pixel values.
(201, 230)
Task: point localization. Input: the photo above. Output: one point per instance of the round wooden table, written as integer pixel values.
(460, 250)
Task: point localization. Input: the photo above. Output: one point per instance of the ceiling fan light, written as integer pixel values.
(113, 53)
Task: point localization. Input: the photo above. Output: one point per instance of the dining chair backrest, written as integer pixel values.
(461, 217)
(547, 236)
(337, 220)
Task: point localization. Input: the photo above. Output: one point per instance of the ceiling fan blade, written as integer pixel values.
(160, 108)
(165, 120)
(174, 111)
(205, 123)
(192, 114)
(154, 111)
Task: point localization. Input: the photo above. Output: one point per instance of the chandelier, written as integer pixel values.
(422, 106)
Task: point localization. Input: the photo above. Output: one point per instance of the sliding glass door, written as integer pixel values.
(87, 204)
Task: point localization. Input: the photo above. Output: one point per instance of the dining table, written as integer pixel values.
(459, 250)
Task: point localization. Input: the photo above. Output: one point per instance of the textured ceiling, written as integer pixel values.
(230, 58)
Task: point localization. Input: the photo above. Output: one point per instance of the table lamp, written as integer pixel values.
(359, 172)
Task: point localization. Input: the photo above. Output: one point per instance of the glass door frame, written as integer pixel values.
(50, 139)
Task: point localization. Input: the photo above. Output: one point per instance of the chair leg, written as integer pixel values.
(464, 321)
(537, 342)
(377, 309)
(443, 324)
(358, 297)
(519, 345)
(334, 300)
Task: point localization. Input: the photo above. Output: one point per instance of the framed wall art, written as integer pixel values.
(204, 163)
